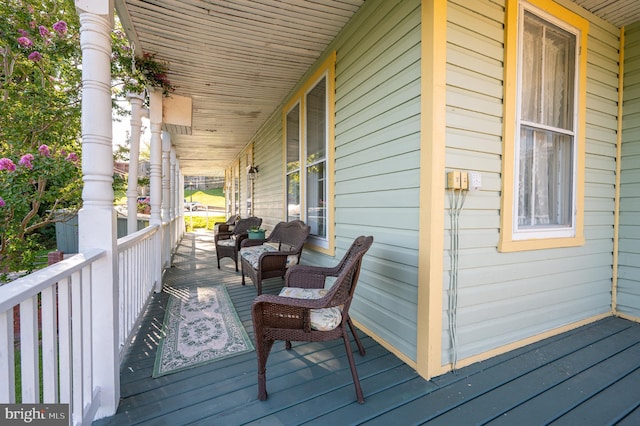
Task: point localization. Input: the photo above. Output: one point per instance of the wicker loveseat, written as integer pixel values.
(270, 257)
(313, 307)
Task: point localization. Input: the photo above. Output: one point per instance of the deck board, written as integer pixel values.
(590, 375)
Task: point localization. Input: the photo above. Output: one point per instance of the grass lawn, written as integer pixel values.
(208, 197)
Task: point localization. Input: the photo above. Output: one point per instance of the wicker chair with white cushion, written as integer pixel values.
(312, 307)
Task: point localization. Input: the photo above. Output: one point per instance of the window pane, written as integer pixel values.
(548, 71)
(293, 163)
(316, 122)
(316, 199)
(293, 139)
(236, 194)
(545, 180)
(293, 196)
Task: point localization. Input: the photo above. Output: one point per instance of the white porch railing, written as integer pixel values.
(65, 333)
(138, 262)
(55, 306)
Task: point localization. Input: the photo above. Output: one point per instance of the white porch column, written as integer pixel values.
(137, 112)
(181, 203)
(172, 203)
(155, 169)
(155, 176)
(166, 198)
(97, 218)
(173, 183)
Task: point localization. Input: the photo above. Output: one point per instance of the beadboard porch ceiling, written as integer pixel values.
(238, 60)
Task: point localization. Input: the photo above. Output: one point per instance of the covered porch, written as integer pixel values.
(418, 91)
(585, 376)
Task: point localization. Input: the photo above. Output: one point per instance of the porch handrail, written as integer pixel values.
(55, 306)
(137, 264)
(62, 293)
(15, 292)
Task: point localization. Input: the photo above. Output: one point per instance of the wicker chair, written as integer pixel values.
(306, 311)
(226, 227)
(270, 257)
(228, 243)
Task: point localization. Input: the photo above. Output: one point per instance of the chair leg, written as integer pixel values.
(218, 261)
(356, 338)
(262, 385)
(262, 351)
(287, 345)
(352, 364)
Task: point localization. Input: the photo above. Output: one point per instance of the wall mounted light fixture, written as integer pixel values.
(253, 172)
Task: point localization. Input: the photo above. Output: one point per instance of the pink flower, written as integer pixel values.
(26, 160)
(72, 157)
(23, 33)
(25, 42)
(60, 27)
(7, 164)
(44, 32)
(33, 24)
(2, 203)
(35, 56)
(44, 150)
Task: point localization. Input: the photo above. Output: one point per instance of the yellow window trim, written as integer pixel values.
(327, 67)
(507, 243)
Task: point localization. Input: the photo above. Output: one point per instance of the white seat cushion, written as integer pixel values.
(229, 242)
(321, 319)
(252, 255)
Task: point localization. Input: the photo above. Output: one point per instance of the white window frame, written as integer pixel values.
(326, 71)
(551, 231)
(536, 239)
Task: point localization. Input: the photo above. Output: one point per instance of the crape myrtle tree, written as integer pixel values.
(40, 109)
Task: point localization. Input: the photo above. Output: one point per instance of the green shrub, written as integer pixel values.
(194, 222)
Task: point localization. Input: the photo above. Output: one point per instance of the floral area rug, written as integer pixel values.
(200, 326)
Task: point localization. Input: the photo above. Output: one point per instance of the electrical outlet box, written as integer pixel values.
(475, 181)
(464, 180)
(453, 180)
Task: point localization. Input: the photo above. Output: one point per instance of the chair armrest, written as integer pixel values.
(222, 236)
(305, 276)
(288, 301)
(253, 242)
(222, 227)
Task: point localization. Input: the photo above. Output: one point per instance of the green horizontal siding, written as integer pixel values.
(377, 142)
(506, 297)
(628, 289)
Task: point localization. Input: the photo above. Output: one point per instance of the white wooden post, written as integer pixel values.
(155, 175)
(172, 202)
(181, 203)
(166, 199)
(97, 218)
(137, 112)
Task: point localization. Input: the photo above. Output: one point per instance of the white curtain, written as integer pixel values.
(545, 155)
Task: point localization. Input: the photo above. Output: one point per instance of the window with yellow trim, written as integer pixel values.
(544, 180)
(308, 145)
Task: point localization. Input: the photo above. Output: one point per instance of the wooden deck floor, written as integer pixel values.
(589, 376)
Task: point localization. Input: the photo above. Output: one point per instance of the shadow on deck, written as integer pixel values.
(588, 376)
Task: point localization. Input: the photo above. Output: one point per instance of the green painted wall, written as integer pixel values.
(628, 295)
(376, 183)
(505, 297)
